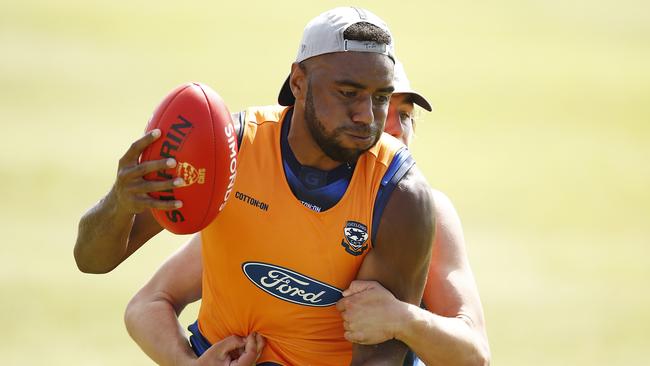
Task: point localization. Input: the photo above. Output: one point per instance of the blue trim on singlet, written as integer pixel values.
(197, 340)
(200, 344)
(402, 162)
(242, 127)
(325, 188)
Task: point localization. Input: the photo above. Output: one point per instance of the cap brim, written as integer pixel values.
(419, 100)
(286, 98)
(416, 98)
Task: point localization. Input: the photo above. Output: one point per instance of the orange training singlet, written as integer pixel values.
(272, 265)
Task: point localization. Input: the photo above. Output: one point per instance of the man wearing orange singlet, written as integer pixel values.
(315, 207)
(451, 332)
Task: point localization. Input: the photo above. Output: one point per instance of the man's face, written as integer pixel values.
(399, 122)
(347, 102)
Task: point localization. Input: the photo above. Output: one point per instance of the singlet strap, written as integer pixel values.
(399, 166)
(242, 127)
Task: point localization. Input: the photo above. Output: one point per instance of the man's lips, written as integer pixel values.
(360, 136)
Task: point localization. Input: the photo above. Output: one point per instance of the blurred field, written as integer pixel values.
(541, 137)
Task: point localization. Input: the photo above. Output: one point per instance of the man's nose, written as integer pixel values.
(362, 112)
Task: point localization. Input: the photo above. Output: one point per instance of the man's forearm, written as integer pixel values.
(154, 326)
(121, 222)
(102, 238)
(439, 340)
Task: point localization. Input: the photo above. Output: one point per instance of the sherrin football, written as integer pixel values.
(196, 131)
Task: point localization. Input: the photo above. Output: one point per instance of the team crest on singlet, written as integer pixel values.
(355, 238)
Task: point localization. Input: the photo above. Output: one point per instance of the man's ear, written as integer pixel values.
(298, 82)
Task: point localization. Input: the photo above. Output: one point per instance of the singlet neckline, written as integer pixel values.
(284, 145)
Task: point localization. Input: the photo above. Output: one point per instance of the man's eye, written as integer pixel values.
(382, 99)
(404, 116)
(348, 93)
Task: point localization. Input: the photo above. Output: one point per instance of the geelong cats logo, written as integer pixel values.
(291, 286)
(355, 238)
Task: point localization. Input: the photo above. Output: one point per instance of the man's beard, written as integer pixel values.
(331, 143)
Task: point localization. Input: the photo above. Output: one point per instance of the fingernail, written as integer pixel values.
(179, 182)
(171, 163)
(155, 133)
(178, 204)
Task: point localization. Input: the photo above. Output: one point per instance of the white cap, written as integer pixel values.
(402, 85)
(324, 34)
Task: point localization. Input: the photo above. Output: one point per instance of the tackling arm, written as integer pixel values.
(452, 331)
(151, 316)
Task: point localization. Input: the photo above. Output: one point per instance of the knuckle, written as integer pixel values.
(140, 169)
(121, 174)
(348, 336)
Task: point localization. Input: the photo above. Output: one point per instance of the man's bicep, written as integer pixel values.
(400, 257)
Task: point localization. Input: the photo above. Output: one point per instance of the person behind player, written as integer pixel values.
(277, 256)
(451, 332)
(450, 329)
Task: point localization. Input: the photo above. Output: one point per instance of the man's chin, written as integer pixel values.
(363, 145)
(342, 155)
(347, 155)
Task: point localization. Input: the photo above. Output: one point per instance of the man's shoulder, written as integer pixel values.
(415, 196)
(261, 114)
(449, 231)
(247, 120)
(410, 212)
(444, 207)
(258, 114)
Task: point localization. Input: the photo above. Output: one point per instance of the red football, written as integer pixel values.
(197, 131)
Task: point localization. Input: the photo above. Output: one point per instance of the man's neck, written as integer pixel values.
(304, 147)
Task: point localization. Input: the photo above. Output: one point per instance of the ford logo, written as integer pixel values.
(291, 286)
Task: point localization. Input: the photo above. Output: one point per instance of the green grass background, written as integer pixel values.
(540, 135)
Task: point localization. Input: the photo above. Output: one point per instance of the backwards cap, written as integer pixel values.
(402, 85)
(324, 34)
